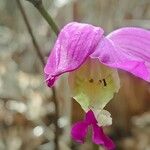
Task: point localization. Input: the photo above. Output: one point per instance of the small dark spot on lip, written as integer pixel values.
(104, 81)
(91, 80)
(100, 81)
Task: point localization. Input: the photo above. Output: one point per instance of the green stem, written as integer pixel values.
(39, 5)
(49, 19)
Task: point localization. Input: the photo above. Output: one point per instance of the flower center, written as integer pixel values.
(93, 84)
(91, 80)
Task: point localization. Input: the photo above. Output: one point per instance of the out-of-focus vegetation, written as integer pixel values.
(26, 106)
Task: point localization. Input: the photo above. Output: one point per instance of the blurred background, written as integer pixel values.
(27, 109)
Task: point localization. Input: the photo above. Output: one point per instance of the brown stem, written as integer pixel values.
(35, 44)
(56, 140)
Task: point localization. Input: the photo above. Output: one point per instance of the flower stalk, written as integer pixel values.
(48, 18)
(35, 44)
(39, 5)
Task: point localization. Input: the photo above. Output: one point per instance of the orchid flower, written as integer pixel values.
(92, 60)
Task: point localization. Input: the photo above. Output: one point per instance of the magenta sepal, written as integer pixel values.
(80, 129)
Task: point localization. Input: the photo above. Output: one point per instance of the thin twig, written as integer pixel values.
(56, 139)
(56, 30)
(39, 5)
(35, 44)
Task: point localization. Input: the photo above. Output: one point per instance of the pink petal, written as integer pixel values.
(127, 49)
(79, 131)
(74, 44)
(90, 118)
(100, 138)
